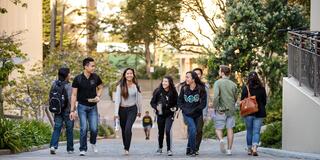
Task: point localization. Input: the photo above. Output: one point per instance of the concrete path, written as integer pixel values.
(141, 149)
(112, 149)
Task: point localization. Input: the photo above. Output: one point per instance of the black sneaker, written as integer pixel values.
(197, 152)
(188, 151)
(159, 151)
(192, 154)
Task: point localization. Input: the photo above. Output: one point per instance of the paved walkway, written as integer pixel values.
(112, 149)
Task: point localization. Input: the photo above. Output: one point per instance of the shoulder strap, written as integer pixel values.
(219, 90)
(249, 95)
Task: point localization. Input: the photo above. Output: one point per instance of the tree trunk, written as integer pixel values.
(148, 57)
(155, 55)
(53, 7)
(91, 25)
(1, 104)
(62, 27)
(49, 115)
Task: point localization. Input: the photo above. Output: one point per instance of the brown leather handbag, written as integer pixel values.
(248, 105)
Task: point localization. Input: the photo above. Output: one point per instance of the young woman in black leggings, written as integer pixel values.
(164, 101)
(127, 105)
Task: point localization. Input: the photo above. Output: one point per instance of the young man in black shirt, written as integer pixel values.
(86, 89)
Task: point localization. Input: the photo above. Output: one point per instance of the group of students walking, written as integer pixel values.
(191, 97)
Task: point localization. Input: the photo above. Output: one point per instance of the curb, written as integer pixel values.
(289, 154)
(45, 146)
(283, 153)
(5, 151)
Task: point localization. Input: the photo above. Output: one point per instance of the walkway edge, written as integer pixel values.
(283, 153)
(289, 154)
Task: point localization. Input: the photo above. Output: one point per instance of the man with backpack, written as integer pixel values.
(59, 105)
(86, 90)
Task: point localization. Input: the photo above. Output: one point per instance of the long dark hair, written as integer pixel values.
(253, 80)
(172, 88)
(197, 80)
(123, 83)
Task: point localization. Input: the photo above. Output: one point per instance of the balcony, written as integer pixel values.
(301, 92)
(304, 59)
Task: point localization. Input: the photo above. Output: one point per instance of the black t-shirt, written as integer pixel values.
(87, 88)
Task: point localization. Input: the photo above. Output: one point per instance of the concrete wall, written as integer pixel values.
(151, 85)
(315, 15)
(28, 20)
(301, 118)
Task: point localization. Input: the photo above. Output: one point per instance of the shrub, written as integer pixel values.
(35, 132)
(272, 136)
(208, 130)
(240, 125)
(105, 131)
(10, 134)
(20, 135)
(76, 135)
(110, 130)
(274, 109)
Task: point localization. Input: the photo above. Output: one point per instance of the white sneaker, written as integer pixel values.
(169, 153)
(94, 148)
(126, 152)
(52, 150)
(229, 153)
(222, 146)
(82, 153)
(70, 152)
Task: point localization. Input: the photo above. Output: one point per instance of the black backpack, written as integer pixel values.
(57, 97)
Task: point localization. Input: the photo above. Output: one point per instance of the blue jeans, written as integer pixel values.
(192, 131)
(88, 114)
(253, 125)
(58, 123)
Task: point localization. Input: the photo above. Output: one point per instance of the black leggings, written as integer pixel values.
(127, 117)
(164, 124)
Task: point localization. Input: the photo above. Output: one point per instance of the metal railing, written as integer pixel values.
(304, 59)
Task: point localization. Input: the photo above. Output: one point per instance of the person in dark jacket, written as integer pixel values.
(254, 121)
(192, 100)
(164, 101)
(63, 117)
(147, 124)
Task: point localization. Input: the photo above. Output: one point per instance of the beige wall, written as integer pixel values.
(315, 15)
(25, 19)
(301, 117)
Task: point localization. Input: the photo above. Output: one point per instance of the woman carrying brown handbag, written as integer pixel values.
(254, 121)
